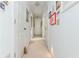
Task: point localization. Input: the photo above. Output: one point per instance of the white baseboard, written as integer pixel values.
(52, 52)
(5, 55)
(37, 38)
(28, 44)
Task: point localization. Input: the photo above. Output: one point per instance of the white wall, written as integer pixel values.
(6, 30)
(46, 28)
(64, 37)
(22, 37)
(48, 31)
(45, 25)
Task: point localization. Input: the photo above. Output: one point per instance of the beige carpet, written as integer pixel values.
(37, 49)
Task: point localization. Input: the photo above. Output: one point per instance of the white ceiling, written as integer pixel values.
(38, 7)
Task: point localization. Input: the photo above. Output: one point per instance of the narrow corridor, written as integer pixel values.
(37, 49)
(39, 29)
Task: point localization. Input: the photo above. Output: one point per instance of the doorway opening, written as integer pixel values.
(37, 27)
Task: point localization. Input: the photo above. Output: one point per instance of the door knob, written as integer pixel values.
(24, 28)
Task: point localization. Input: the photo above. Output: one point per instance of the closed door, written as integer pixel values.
(38, 27)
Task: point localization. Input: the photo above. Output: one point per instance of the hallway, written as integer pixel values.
(44, 29)
(37, 49)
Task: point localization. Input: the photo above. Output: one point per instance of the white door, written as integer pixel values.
(38, 27)
(22, 29)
